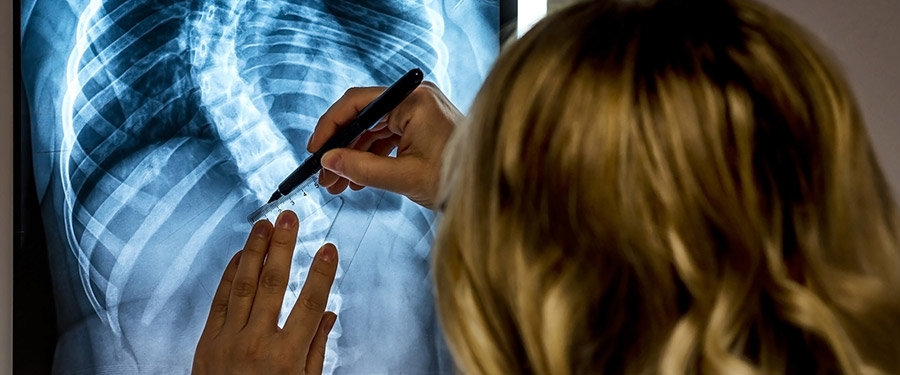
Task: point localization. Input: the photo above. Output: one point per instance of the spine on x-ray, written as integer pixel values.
(258, 148)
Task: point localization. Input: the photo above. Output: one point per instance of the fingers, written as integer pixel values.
(369, 169)
(275, 273)
(219, 307)
(421, 126)
(342, 112)
(243, 288)
(327, 178)
(307, 312)
(379, 143)
(315, 359)
(338, 186)
(382, 147)
(378, 146)
(365, 141)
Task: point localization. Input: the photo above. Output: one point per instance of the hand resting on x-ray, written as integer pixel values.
(242, 333)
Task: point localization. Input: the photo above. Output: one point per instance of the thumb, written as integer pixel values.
(368, 169)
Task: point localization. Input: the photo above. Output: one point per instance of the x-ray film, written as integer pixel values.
(157, 126)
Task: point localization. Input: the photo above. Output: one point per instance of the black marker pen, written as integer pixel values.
(365, 120)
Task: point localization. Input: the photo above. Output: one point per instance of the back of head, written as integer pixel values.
(667, 187)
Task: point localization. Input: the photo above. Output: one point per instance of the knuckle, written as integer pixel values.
(321, 270)
(243, 288)
(219, 307)
(425, 107)
(352, 91)
(254, 250)
(282, 241)
(312, 304)
(430, 90)
(271, 281)
(419, 92)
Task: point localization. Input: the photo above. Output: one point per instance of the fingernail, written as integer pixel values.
(327, 253)
(332, 161)
(287, 220)
(262, 229)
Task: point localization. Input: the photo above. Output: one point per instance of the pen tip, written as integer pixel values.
(274, 197)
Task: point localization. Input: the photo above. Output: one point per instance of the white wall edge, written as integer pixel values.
(529, 13)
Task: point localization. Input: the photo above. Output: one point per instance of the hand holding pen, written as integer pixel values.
(418, 129)
(364, 118)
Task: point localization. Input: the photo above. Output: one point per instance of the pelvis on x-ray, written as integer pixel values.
(158, 126)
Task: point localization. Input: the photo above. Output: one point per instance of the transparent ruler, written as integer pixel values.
(305, 198)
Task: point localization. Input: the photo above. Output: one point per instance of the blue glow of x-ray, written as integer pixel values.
(158, 126)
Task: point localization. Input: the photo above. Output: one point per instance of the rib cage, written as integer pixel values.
(126, 87)
(394, 36)
(168, 105)
(286, 55)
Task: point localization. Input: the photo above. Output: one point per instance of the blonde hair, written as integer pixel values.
(667, 187)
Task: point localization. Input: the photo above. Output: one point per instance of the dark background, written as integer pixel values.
(34, 314)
